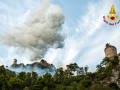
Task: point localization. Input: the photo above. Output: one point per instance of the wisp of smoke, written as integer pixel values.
(41, 32)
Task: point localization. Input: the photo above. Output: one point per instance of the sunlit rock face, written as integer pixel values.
(41, 67)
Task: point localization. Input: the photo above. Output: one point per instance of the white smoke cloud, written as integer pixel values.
(41, 32)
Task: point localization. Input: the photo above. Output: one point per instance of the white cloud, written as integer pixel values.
(89, 25)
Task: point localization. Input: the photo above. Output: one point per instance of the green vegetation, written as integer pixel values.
(62, 79)
(108, 44)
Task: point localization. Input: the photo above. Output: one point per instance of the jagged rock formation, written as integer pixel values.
(41, 67)
(116, 75)
(42, 64)
(17, 65)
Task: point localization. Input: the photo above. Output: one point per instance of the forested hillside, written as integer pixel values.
(73, 78)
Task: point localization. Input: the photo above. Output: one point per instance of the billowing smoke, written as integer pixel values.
(41, 32)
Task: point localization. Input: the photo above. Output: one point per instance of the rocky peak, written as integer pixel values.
(43, 61)
(42, 64)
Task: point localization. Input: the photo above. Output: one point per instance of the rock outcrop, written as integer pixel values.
(41, 67)
(42, 64)
(116, 75)
(110, 52)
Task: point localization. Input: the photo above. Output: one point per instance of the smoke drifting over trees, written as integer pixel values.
(39, 33)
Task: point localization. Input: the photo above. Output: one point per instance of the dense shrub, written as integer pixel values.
(113, 85)
(26, 88)
(97, 81)
(92, 75)
(63, 88)
(68, 82)
(60, 87)
(45, 88)
(72, 88)
(100, 87)
(87, 77)
(74, 83)
(101, 76)
(85, 83)
(80, 87)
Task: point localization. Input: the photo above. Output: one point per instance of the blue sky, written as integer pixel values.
(86, 32)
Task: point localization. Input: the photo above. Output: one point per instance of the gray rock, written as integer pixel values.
(42, 64)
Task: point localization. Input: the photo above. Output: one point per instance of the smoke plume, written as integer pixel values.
(41, 32)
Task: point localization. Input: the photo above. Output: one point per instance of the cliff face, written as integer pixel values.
(116, 75)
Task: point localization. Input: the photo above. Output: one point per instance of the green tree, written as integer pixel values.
(55, 78)
(15, 83)
(98, 67)
(34, 77)
(22, 76)
(2, 70)
(26, 88)
(46, 81)
(105, 61)
(45, 88)
(72, 88)
(115, 61)
(39, 84)
(58, 76)
(86, 69)
(3, 83)
(72, 67)
(81, 71)
(67, 73)
(10, 74)
(85, 83)
(28, 79)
